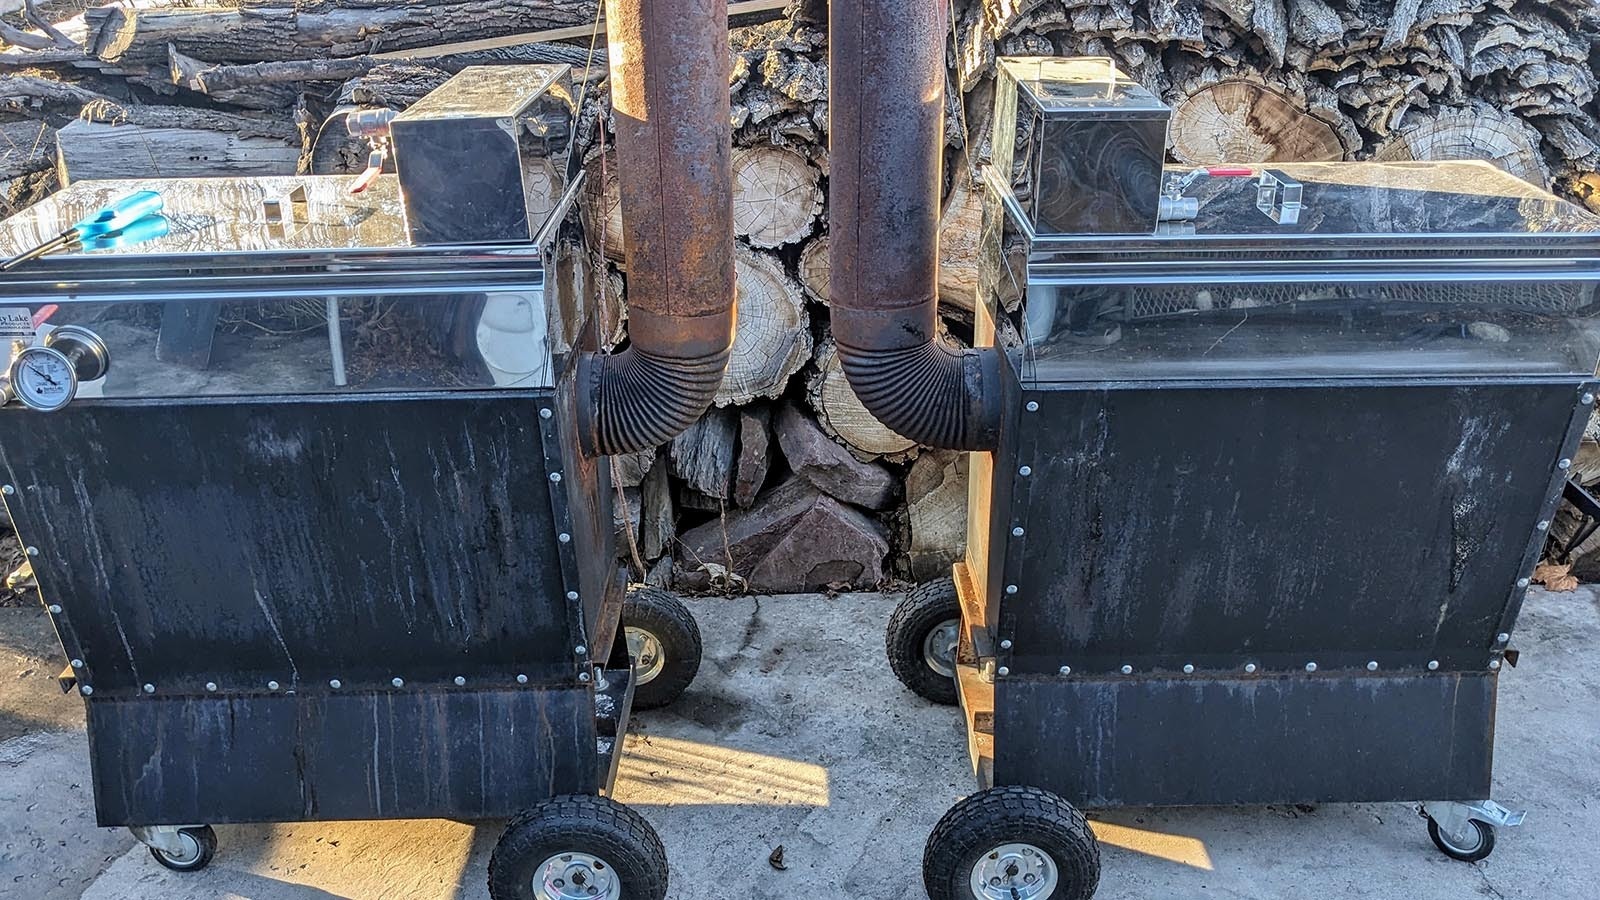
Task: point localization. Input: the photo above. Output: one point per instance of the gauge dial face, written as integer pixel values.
(43, 378)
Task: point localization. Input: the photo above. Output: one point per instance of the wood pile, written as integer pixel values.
(788, 483)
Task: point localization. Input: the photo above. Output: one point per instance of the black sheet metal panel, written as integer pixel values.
(464, 753)
(1291, 739)
(295, 540)
(1227, 524)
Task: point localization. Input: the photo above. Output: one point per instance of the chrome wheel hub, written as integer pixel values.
(939, 647)
(191, 849)
(1014, 872)
(576, 876)
(649, 657)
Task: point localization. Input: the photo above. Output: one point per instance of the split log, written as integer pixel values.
(773, 340)
(26, 147)
(776, 196)
(829, 467)
(1475, 132)
(1221, 117)
(755, 454)
(657, 517)
(264, 31)
(601, 205)
(813, 268)
(960, 224)
(936, 507)
(703, 455)
(842, 416)
(630, 469)
(112, 141)
(795, 539)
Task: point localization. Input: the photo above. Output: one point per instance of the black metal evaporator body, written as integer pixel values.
(1268, 493)
(350, 564)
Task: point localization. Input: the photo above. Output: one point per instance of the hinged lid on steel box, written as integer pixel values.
(463, 150)
(1083, 145)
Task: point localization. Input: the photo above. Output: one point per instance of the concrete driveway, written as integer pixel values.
(796, 735)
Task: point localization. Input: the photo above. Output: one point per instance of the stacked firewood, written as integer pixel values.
(788, 483)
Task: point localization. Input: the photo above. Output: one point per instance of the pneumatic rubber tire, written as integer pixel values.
(928, 607)
(598, 827)
(667, 620)
(1011, 815)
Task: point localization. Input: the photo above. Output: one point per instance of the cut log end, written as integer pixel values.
(1242, 121)
(773, 340)
(776, 196)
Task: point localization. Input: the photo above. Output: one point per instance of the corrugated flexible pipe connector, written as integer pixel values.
(886, 129)
(669, 90)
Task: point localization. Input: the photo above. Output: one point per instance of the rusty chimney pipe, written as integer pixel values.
(886, 65)
(669, 91)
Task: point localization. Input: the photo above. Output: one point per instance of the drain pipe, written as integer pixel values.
(886, 65)
(669, 92)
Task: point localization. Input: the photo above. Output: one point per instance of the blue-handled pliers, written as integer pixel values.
(114, 219)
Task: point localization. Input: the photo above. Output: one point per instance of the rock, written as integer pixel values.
(794, 539)
(936, 506)
(755, 442)
(829, 467)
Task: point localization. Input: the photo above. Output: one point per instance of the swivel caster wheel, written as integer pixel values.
(186, 849)
(578, 847)
(1469, 843)
(1012, 843)
(924, 634)
(664, 642)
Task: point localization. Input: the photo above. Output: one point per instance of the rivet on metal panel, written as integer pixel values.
(1523, 582)
(1017, 531)
(1005, 644)
(583, 677)
(149, 689)
(85, 690)
(55, 609)
(572, 595)
(8, 490)
(555, 477)
(564, 538)
(1587, 399)
(211, 686)
(522, 679)
(461, 681)
(1502, 637)
(272, 685)
(1544, 524)
(77, 664)
(1372, 666)
(1025, 471)
(335, 684)
(1564, 464)
(1311, 667)
(1188, 668)
(1011, 589)
(544, 413)
(1127, 670)
(33, 551)
(1494, 663)
(1066, 670)
(1433, 665)
(1002, 671)
(1250, 667)
(580, 649)
(398, 682)
(1033, 406)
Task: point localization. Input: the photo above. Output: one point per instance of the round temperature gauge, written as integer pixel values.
(44, 378)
